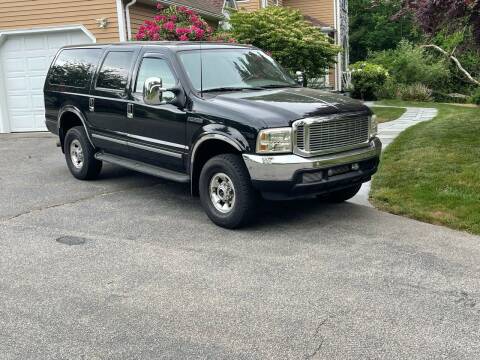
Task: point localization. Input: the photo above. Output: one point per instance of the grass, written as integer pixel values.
(385, 114)
(431, 172)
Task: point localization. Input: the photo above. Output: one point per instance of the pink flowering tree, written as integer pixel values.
(175, 23)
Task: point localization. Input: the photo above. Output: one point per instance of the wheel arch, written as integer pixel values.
(205, 148)
(68, 117)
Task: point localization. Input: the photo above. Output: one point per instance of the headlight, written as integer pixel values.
(271, 141)
(373, 126)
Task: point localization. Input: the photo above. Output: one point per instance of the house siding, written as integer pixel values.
(138, 14)
(250, 5)
(321, 10)
(27, 14)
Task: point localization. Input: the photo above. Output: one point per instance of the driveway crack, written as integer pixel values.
(319, 346)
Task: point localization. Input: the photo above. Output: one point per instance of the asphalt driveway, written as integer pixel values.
(129, 267)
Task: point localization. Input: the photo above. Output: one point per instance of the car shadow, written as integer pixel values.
(296, 212)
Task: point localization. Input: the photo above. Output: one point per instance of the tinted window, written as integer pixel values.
(74, 67)
(114, 71)
(155, 68)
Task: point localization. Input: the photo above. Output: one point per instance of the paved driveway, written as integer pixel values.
(147, 276)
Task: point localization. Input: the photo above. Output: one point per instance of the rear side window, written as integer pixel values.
(113, 74)
(74, 67)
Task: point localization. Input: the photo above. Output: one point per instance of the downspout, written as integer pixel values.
(121, 21)
(340, 42)
(127, 15)
(336, 22)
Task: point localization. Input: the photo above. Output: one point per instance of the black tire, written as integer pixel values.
(341, 195)
(245, 197)
(89, 168)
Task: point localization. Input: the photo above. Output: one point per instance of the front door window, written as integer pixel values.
(159, 68)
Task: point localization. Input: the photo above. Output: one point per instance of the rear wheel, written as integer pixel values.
(341, 195)
(226, 192)
(79, 154)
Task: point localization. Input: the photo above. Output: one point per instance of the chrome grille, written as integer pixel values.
(329, 134)
(300, 137)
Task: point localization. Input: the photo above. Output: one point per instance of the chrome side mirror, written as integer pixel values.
(299, 77)
(153, 91)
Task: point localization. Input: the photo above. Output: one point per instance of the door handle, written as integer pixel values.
(130, 111)
(91, 104)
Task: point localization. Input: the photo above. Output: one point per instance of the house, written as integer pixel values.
(31, 31)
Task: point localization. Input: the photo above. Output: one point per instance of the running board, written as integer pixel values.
(143, 167)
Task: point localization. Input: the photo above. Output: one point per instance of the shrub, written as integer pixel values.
(367, 79)
(284, 33)
(175, 23)
(409, 64)
(475, 98)
(415, 92)
(388, 90)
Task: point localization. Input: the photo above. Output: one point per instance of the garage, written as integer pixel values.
(25, 57)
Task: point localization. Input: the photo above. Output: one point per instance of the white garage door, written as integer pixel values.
(25, 61)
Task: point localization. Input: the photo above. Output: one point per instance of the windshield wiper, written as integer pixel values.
(219, 89)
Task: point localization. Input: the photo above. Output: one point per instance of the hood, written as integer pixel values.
(280, 107)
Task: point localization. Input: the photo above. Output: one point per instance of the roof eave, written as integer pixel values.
(200, 11)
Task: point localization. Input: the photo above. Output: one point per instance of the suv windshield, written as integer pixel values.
(233, 69)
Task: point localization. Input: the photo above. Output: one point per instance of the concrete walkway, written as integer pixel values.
(388, 131)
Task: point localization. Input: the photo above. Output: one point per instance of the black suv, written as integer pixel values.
(225, 118)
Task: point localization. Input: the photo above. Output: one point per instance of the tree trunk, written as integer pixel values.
(455, 60)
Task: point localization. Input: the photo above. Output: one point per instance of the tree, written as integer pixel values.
(284, 33)
(372, 27)
(434, 15)
(175, 23)
(452, 29)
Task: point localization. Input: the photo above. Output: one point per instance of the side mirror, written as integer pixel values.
(153, 92)
(299, 77)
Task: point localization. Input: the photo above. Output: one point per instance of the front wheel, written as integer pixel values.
(226, 192)
(341, 195)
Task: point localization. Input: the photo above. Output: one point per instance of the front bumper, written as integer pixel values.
(283, 176)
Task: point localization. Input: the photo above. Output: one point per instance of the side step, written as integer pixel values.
(143, 167)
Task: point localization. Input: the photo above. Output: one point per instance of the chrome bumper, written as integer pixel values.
(284, 167)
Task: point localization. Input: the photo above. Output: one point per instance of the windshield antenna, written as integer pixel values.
(201, 70)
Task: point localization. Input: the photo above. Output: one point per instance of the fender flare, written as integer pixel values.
(212, 136)
(78, 113)
(204, 138)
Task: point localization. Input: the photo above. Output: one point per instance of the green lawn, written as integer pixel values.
(385, 114)
(431, 172)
